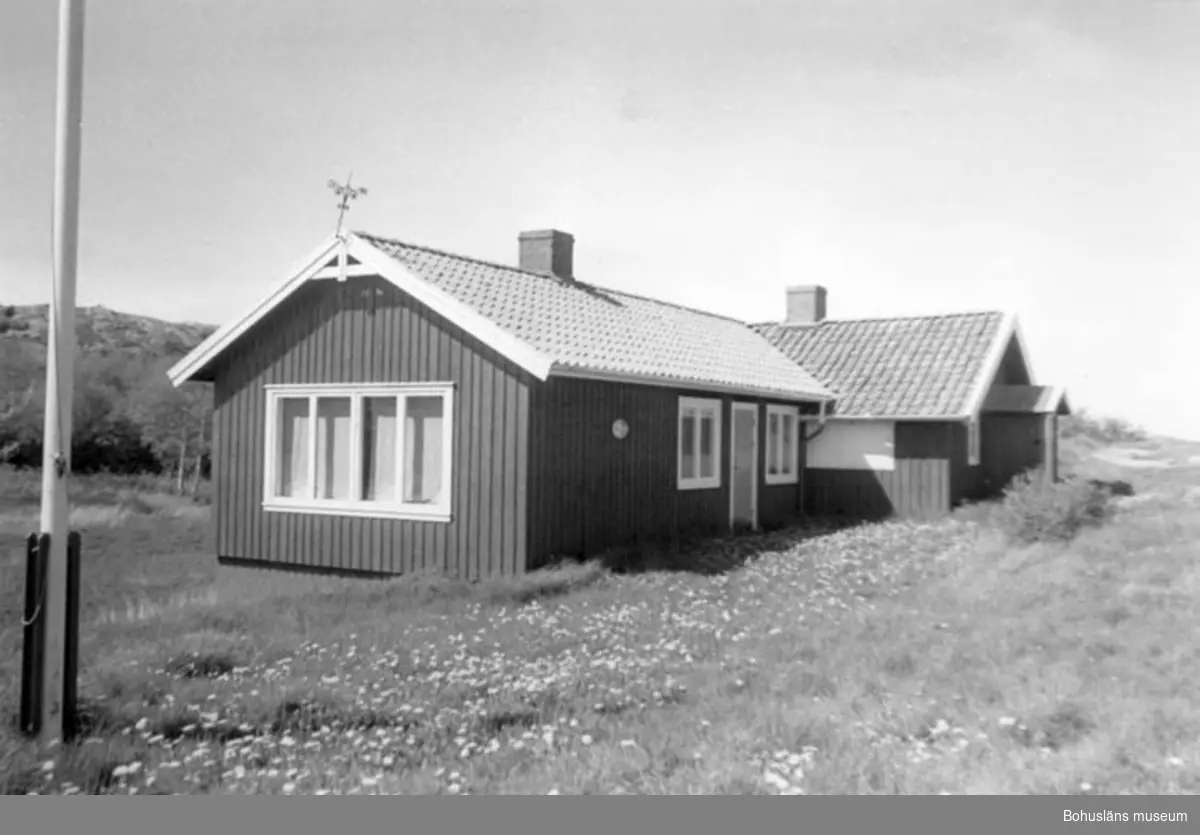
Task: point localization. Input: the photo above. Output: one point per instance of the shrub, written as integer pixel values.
(1105, 430)
(1035, 509)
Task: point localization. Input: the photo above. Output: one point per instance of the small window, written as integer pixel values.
(699, 443)
(375, 450)
(973, 442)
(783, 462)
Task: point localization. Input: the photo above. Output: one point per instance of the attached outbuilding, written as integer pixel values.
(388, 408)
(932, 410)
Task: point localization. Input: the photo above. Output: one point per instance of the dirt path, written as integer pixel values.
(1130, 457)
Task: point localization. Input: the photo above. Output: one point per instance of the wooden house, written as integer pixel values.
(387, 408)
(932, 410)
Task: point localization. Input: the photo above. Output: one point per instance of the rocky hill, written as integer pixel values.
(127, 416)
(104, 331)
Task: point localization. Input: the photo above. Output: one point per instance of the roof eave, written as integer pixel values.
(951, 418)
(664, 381)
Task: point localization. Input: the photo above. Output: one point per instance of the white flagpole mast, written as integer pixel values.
(60, 361)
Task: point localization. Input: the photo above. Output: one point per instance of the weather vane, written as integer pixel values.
(347, 193)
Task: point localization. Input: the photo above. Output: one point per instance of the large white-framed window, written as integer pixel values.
(973, 441)
(373, 449)
(783, 449)
(699, 443)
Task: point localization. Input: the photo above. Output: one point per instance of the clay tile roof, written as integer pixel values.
(588, 328)
(916, 366)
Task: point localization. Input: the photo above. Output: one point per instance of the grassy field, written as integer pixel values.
(891, 658)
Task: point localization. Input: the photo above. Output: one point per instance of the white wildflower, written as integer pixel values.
(776, 781)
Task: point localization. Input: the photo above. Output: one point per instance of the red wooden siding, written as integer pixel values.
(1010, 444)
(590, 491)
(920, 486)
(932, 473)
(1012, 370)
(967, 480)
(364, 330)
(779, 504)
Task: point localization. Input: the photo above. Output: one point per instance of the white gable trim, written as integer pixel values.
(1009, 330)
(373, 262)
(349, 271)
(223, 336)
(442, 303)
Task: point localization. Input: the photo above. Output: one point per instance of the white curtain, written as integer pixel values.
(423, 450)
(708, 463)
(773, 443)
(333, 448)
(789, 425)
(687, 444)
(292, 473)
(379, 449)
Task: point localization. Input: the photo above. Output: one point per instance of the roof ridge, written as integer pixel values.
(544, 277)
(902, 318)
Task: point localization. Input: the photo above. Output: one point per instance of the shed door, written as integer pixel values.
(743, 467)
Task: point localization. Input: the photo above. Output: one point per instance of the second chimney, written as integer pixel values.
(805, 304)
(548, 251)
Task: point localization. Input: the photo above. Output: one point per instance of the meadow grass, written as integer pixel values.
(887, 658)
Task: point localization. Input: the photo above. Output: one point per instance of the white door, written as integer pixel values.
(743, 467)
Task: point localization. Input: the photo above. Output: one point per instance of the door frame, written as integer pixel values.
(753, 408)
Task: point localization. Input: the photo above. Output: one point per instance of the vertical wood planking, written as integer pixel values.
(520, 478)
(485, 428)
(333, 333)
(508, 473)
(921, 486)
(477, 515)
(454, 535)
(590, 491)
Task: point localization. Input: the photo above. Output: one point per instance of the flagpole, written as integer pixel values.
(60, 361)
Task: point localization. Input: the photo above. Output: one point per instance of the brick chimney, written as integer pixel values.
(548, 251)
(805, 304)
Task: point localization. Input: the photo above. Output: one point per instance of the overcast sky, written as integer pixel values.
(913, 156)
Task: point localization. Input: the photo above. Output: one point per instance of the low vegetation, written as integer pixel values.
(127, 418)
(1034, 509)
(887, 658)
(1101, 430)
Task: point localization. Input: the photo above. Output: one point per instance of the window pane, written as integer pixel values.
(687, 446)
(333, 448)
(423, 450)
(379, 449)
(772, 443)
(291, 475)
(708, 462)
(786, 429)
